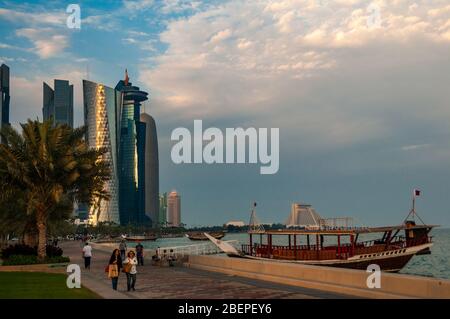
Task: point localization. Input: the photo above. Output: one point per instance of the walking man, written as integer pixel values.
(140, 254)
(87, 255)
(123, 249)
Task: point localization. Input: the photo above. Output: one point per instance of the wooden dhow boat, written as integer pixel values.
(141, 238)
(390, 247)
(201, 236)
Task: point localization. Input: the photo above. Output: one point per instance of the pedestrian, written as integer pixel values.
(114, 266)
(87, 255)
(140, 254)
(123, 249)
(130, 269)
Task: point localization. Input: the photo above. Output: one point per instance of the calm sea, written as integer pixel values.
(435, 265)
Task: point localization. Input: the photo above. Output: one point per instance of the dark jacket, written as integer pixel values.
(116, 258)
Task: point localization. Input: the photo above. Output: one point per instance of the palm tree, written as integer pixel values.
(51, 165)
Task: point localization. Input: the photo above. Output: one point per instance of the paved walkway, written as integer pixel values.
(181, 283)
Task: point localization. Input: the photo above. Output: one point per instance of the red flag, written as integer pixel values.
(417, 192)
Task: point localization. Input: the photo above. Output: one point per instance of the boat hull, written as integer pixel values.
(201, 236)
(389, 261)
(133, 239)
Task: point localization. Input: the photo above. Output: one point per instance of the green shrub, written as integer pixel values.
(57, 260)
(20, 260)
(14, 260)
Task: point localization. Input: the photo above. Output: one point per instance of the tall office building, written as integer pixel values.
(102, 107)
(162, 217)
(58, 103)
(173, 209)
(131, 155)
(151, 186)
(4, 95)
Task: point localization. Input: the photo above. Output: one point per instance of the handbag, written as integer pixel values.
(107, 269)
(127, 267)
(113, 271)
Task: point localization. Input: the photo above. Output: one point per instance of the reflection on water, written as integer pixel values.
(435, 265)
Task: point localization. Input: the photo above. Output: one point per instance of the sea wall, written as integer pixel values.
(344, 281)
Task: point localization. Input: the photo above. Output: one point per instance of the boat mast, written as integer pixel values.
(413, 212)
(254, 225)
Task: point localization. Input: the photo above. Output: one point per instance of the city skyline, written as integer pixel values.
(363, 110)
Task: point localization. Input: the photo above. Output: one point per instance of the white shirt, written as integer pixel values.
(133, 262)
(87, 251)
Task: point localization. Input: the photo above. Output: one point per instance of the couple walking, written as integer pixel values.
(127, 265)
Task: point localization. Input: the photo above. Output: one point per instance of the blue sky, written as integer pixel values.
(359, 90)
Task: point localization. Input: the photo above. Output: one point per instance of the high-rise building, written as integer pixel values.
(102, 107)
(162, 217)
(303, 215)
(151, 169)
(174, 209)
(131, 155)
(58, 103)
(4, 95)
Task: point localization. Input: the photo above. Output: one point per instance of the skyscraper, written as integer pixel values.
(173, 209)
(4, 95)
(131, 155)
(58, 103)
(151, 169)
(162, 218)
(102, 107)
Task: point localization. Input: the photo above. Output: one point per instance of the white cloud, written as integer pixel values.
(55, 18)
(277, 66)
(414, 147)
(137, 4)
(46, 43)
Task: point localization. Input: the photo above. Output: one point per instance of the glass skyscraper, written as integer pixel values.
(102, 105)
(132, 155)
(151, 169)
(4, 95)
(58, 103)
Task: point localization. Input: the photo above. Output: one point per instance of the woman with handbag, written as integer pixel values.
(130, 269)
(114, 266)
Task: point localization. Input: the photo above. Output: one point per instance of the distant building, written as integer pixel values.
(151, 170)
(303, 215)
(174, 209)
(101, 104)
(237, 223)
(58, 102)
(162, 216)
(4, 95)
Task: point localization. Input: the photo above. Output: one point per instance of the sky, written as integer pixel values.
(358, 89)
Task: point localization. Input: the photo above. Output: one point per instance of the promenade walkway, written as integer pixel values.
(181, 283)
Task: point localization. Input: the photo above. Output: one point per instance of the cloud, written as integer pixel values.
(31, 17)
(46, 43)
(323, 73)
(414, 147)
(137, 4)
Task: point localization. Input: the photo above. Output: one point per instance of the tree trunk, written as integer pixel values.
(42, 236)
(30, 235)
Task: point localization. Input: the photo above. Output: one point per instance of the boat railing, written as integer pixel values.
(198, 249)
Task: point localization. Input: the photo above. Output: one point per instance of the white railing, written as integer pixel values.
(198, 249)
